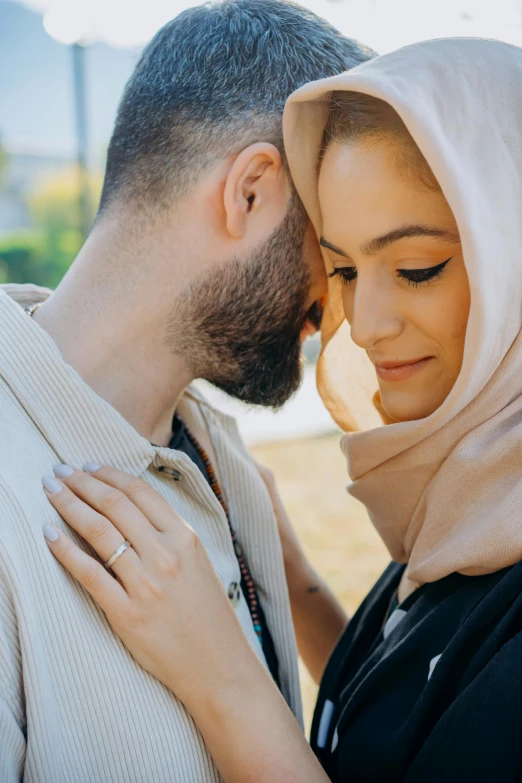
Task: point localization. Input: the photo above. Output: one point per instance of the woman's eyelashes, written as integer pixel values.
(346, 273)
(414, 277)
(417, 277)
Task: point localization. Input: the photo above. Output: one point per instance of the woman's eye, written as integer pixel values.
(346, 273)
(416, 277)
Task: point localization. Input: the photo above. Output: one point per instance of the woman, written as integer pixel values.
(410, 167)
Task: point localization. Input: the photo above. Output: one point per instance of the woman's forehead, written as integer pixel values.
(361, 195)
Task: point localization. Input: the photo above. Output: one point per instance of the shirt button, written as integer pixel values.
(174, 474)
(234, 593)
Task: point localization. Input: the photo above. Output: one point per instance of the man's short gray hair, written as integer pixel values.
(211, 82)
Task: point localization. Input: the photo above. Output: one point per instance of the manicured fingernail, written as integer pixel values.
(91, 467)
(64, 471)
(52, 485)
(50, 533)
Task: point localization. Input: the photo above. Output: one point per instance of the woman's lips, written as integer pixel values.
(400, 371)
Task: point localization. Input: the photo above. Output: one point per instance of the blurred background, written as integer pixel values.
(63, 65)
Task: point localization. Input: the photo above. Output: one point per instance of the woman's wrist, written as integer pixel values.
(250, 730)
(217, 684)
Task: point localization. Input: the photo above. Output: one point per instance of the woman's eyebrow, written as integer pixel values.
(404, 232)
(325, 243)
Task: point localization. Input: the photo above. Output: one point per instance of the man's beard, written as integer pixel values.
(239, 325)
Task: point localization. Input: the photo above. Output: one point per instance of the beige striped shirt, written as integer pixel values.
(74, 706)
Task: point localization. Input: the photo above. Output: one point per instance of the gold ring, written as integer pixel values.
(121, 549)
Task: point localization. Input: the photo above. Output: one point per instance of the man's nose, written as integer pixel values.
(374, 317)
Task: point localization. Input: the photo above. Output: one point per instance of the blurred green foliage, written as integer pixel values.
(37, 257)
(43, 254)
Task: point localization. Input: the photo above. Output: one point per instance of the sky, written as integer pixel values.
(36, 76)
(36, 86)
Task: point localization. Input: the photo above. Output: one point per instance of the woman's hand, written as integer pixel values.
(169, 608)
(319, 619)
(165, 580)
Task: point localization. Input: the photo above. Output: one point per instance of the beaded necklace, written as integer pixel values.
(252, 599)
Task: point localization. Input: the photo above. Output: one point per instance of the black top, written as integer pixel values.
(437, 695)
(181, 442)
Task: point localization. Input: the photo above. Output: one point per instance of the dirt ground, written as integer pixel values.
(334, 528)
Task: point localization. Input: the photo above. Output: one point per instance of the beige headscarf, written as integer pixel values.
(444, 492)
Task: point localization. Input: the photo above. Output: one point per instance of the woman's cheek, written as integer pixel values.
(456, 317)
(347, 297)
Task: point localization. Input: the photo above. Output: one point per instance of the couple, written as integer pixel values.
(177, 661)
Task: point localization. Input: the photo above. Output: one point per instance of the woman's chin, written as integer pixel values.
(403, 405)
(418, 397)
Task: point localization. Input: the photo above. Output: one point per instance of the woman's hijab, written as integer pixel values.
(444, 492)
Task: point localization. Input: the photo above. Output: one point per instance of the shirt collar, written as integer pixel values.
(78, 424)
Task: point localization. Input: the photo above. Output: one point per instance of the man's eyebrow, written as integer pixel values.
(404, 232)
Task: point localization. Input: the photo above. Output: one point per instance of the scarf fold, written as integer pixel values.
(444, 492)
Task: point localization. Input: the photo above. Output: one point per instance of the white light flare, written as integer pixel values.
(69, 21)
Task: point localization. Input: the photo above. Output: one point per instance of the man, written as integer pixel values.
(200, 264)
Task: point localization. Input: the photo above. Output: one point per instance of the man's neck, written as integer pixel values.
(111, 328)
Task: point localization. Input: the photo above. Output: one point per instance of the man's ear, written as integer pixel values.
(257, 178)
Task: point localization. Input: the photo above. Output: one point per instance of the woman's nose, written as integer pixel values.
(374, 316)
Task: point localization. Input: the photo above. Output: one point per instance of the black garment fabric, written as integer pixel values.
(393, 721)
(181, 442)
